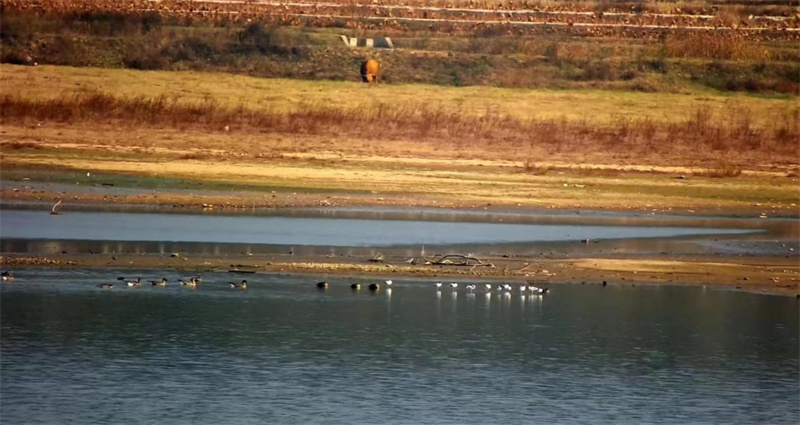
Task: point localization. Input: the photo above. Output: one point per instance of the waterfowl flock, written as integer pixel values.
(323, 285)
(193, 281)
(163, 282)
(471, 288)
(501, 287)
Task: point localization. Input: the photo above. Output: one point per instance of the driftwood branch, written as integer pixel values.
(456, 260)
(524, 267)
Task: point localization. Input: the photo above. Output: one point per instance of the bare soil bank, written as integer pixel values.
(764, 275)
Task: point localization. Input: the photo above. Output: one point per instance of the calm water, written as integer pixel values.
(75, 225)
(285, 352)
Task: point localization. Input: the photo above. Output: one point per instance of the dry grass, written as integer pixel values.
(721, 170)
(533, 168)
(733, 132)
(281, 95)
(21, 145)
(460, 147)
(731, 46)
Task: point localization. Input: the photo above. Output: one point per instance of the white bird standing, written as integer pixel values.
(53, 210)
(454, 285)
(388, 283)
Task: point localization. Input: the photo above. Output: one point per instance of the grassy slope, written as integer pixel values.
(595, 106)
(62, 152)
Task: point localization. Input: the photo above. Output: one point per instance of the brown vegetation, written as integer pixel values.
(733, 132)
(501, 52)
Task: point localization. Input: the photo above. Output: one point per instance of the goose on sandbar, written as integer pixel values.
(239, 285)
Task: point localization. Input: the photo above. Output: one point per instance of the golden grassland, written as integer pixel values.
(463, 147)
(593, 106)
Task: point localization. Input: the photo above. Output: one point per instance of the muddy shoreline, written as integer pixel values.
(758, 274)
(100, 196)
(766, 262)
(762, 266)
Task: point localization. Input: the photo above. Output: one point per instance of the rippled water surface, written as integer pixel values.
(284, 352)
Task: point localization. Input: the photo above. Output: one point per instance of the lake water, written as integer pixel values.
(318, 231)
(284, 352)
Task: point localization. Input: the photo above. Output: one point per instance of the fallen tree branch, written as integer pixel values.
(456, 260)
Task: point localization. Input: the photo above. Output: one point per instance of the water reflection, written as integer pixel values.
(526, 216)
(325, 232)
(655, 355)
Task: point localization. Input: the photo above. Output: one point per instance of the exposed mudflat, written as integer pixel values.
(765, 259)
